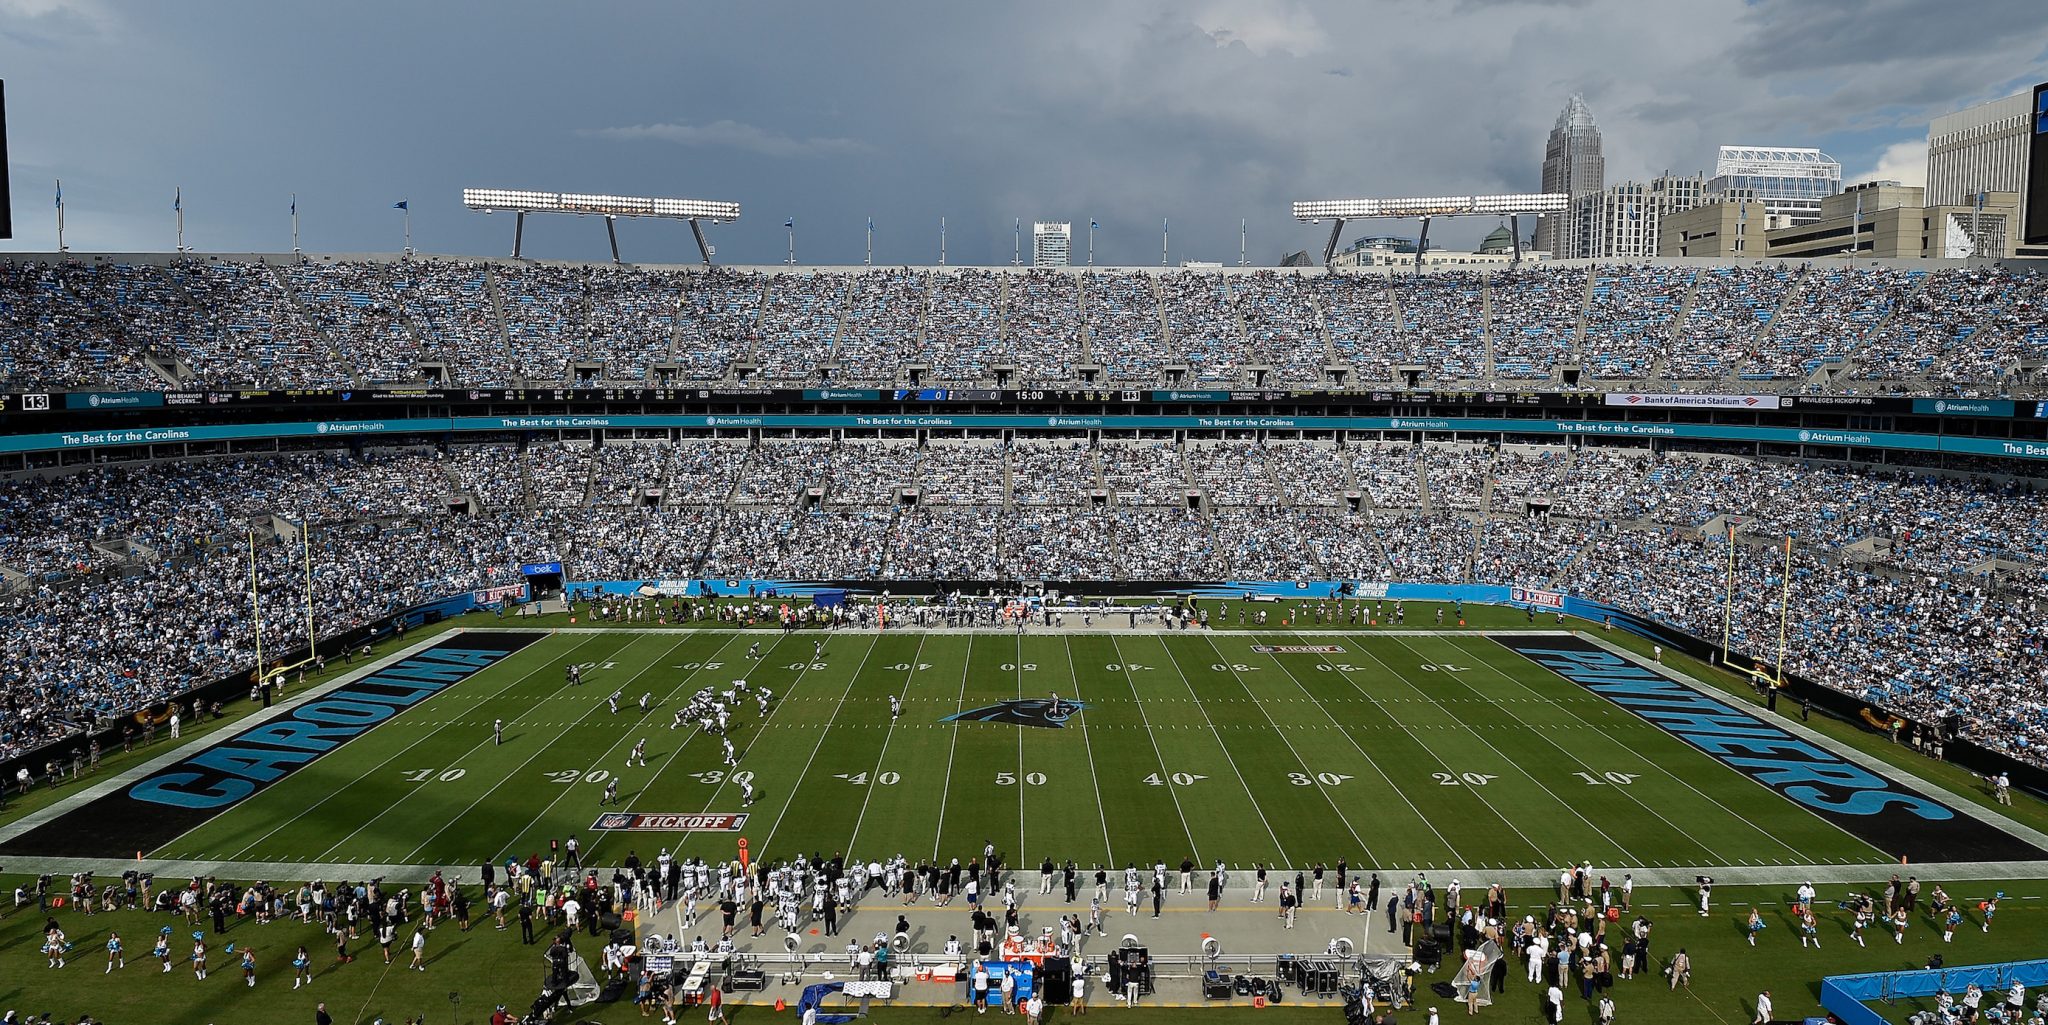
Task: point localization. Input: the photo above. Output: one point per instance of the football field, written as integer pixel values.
(1396, 751)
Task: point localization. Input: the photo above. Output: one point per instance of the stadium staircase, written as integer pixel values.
(1824, 377)
(1732, 379)
(746, 362)
(1577, 347)
(1674, 332)
(1487, 367)
(1087, 334)
(501, 332)
(1425, 501)
(299, 310)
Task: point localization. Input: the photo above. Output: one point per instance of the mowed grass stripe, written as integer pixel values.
(1063, 817)
(775, 750)
(1199, 742)
(1482, 832)
(1556, 752)
(301, 814)
(1780, 830)
(522, 766)
(1143, 822)
(1400, 833)
(826, 801)
(981, 809)
(903, 818)
(1326, 828)
(1223, 815)
(1544, 815)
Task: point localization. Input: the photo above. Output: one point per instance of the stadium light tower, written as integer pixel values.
(1425, 208)
(611, 208)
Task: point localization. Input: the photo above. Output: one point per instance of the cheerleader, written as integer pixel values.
(199, 956)
(1756, 925)
(1861, 922)
(163, 949)
(1809, 930)
(1990, 907)
(1949, 923)
(248, 968)
(1900, 921)
(54, 945)
(114, 958)
(302, 968)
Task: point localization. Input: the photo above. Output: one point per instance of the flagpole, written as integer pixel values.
(1240, 241)
(871, 242)
(942, 240)
(1091, 241)
(791, 225)
(60, 216)
(1017, 242)
(178, 206)
(408, 228)
(1162, 241)
(295, 224)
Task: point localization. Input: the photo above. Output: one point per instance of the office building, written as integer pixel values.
(1979, 149)
(1052, 243)
(1623, 222)
(1787, 180)
(1572, 165)
(1887, 220)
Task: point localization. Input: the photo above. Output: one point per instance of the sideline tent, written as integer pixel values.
(814, 996)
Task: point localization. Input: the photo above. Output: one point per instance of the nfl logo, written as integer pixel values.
(614, 820)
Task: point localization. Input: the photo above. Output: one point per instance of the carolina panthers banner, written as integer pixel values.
(1023, 712)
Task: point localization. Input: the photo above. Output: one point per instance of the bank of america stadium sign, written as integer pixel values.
(671, 822)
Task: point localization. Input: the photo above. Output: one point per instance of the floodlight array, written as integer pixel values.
(613, 206)
(1431, 206)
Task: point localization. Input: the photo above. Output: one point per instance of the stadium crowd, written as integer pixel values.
(193, 323)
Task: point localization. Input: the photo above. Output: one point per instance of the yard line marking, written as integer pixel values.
(1492, 667)
(1320, 788)
(1173, 792)
(1021, 787)
(508, 778)
(869, 797)
(946, 787)
(1627, 792)
(815, 748)
(1568, 806)
(419, 790)
(1391, 717)
(1094, 778)
(1398, 790)
(373, 770)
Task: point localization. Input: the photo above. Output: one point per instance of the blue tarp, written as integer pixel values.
(814, 995)
(1845, 995)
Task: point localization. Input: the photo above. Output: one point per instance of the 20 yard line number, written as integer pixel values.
(1470, 779)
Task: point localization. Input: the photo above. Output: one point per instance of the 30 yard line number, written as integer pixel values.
(716, 776)
(1328, 779)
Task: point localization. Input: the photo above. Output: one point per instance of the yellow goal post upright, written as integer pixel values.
(264, 672)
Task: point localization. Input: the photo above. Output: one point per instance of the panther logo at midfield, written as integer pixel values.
(1023, 712)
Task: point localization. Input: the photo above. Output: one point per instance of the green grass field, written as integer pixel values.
(1400, 752)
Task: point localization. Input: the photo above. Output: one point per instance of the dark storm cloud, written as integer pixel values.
(1204, 112)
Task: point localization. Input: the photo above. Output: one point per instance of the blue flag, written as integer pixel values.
(871, 224)
(295, 204)
(178, 199)
(791, 223)
(60, 195)
(402, 205)
(1094, 225)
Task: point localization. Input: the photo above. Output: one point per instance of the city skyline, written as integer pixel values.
(1207, 114)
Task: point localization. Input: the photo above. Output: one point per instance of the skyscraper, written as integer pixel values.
(1572, 165)
(1790, 182)
(1051, 243)
(1980, 149)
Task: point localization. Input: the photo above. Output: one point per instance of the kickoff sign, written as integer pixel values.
(671, 822)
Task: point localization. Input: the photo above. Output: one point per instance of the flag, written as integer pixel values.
(403, 204)
(178, 199)
(791, 223)
(295, 204)
(60, 195)
(1093, 225)
(871, 224)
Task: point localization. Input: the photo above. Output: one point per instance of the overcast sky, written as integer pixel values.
(1125, 111)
